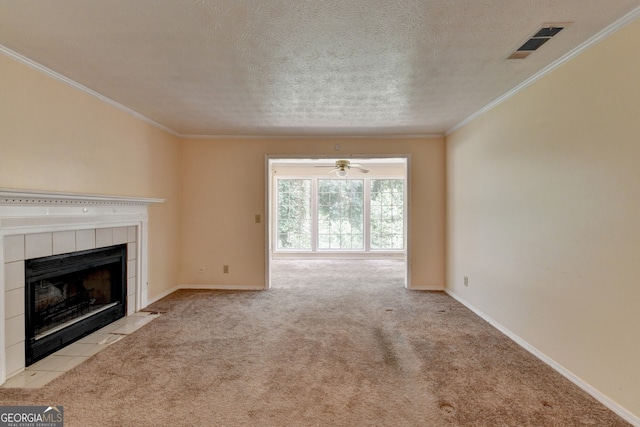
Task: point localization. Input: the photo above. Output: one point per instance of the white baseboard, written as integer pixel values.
(162, 295)
(426, 288)
(212, 287)
(622, 412)
(223, 288)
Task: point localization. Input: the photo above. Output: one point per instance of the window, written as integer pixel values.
(340, 214)
(318, 214)
(387, 214)
(294, 214)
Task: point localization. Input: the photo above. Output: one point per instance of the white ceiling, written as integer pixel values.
(292, 67)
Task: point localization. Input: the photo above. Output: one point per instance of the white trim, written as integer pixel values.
(426, 288)
(267, 221)
(142, 265)
(162, 295)
(622, 412)
(319, 136)
(209, 287)
(314, 216)
(205, 287)
(407, 223)
(611, 29)
(222, 287)
(10, 196)
(366, 214)
(66, 80)
(3, 353)
(283, 254)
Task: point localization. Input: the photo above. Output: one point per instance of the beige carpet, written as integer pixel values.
(295, 273)
(336, 353)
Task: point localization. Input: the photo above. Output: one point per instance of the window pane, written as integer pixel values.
(387, 214)
(294, 214)
(340, 213)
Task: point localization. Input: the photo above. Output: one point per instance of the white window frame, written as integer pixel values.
(368, 211)
(277, 217)
(314, 251)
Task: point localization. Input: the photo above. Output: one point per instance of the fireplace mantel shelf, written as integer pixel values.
(30, 197)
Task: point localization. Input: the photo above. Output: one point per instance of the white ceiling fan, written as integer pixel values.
(342, 167)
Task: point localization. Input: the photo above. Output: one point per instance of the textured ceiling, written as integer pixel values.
(291, 67)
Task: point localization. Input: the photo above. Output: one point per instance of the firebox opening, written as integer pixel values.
(69, 296)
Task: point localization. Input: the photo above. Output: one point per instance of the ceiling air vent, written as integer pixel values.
(540, 37)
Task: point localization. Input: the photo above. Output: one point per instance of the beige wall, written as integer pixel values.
(544, 215)
(223, 188)
(54, 137)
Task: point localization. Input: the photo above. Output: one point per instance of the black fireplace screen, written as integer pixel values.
(69, 296)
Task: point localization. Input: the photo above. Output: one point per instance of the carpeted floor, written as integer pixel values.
(336, 353)
(305, 273)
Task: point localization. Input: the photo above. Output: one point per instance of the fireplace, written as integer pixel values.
(37, 224)
(69, 296)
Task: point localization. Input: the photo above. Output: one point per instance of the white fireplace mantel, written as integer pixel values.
(27, 215)
(31, 197)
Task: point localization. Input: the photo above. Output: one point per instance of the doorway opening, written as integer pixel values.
(330, 218)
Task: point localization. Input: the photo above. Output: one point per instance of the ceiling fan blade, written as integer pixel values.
(324, 166)
(363, 170)
(334, 170)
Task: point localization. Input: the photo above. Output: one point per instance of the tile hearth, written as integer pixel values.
(51, 367)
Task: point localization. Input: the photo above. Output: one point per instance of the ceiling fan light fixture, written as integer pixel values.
(342, 167)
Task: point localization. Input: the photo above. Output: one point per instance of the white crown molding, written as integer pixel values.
(36, 197)
(319, 136)
(55, 75)
(611, 29)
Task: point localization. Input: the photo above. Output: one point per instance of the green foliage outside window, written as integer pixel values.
(340, 214)
(387, 214)
(294, 214)
(341, 210)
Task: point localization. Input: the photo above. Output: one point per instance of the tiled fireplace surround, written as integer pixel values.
(37, 224)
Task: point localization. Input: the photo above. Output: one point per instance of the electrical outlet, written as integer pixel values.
(201, 270)
(258, 219)
(225, 269)
(466, 281)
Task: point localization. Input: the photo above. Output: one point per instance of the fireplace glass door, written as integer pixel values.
(70, 296)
